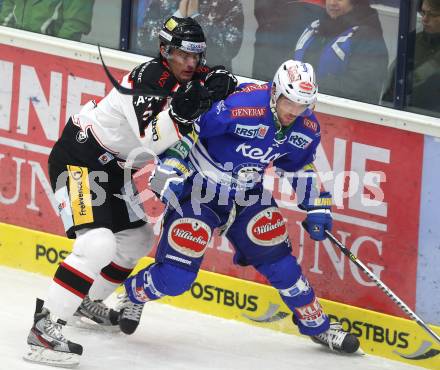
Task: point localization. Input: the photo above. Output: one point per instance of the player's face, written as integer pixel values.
(288, 110)
(183, 64)
(337, 8)
(430, 18)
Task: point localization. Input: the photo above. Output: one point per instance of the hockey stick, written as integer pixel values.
(144, 91)
(382, 286)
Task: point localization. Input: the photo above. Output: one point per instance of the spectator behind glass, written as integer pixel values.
(393, 3)
(425, 90)
(222, 22)
(347, 49)
(280, 22)
(68, 19)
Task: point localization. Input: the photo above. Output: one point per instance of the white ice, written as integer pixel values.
(168, 338)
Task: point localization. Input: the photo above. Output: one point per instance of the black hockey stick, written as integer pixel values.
(382, 286)
(144, 91)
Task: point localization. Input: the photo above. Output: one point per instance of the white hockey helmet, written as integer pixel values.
(296, 81)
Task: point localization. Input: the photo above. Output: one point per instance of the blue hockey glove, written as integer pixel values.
(168, 179)
(319, 217)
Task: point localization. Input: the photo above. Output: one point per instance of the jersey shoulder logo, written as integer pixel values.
(311, 125)
(299, 140)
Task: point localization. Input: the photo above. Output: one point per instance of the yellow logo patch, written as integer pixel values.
(80, 197)
(171, 24)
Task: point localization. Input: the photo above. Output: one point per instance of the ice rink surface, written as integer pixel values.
(168, 338)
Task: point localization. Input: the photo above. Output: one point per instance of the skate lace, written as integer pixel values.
(334, 336)
(54, 330)
(130, 310)
(97, 308)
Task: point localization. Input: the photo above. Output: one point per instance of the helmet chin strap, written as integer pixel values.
(279, 134)
(273, 109)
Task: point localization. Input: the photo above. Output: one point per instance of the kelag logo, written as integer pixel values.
(224, 297)
(50, 254)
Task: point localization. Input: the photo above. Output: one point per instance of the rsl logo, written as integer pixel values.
(299, 140)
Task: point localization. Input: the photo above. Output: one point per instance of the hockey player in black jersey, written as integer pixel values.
(86, 168)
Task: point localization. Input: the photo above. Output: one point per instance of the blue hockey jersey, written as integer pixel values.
(238, 139)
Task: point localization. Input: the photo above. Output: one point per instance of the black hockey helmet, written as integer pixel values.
(184, 34)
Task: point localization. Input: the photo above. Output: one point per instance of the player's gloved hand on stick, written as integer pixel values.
(188, 103)
(220, 83)
(319, 217)
(168, 179)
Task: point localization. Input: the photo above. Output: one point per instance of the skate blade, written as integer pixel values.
(85, 323)
(46, 356)
(360, 352)
(325, 347)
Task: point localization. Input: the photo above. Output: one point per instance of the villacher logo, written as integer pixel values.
(267, 228)
(189, 237)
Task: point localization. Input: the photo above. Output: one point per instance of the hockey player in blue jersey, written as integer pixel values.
(238, 139)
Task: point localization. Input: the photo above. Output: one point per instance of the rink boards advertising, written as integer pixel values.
(375, 180)
(237, 299)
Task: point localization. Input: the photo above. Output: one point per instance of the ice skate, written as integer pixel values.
(130, 314)
(337, 339)
(95, 315)
(47, 345)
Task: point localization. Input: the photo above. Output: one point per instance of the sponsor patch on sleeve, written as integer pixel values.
(311, 125)
(299, 140)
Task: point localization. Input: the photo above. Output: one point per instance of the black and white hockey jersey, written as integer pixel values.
(136, 127)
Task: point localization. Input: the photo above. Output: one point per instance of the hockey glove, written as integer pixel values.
(220, 83)
(319, 217)
(168, 179)
(188, 103)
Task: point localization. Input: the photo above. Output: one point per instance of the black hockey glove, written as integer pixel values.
(220, 83)
(188, 103)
